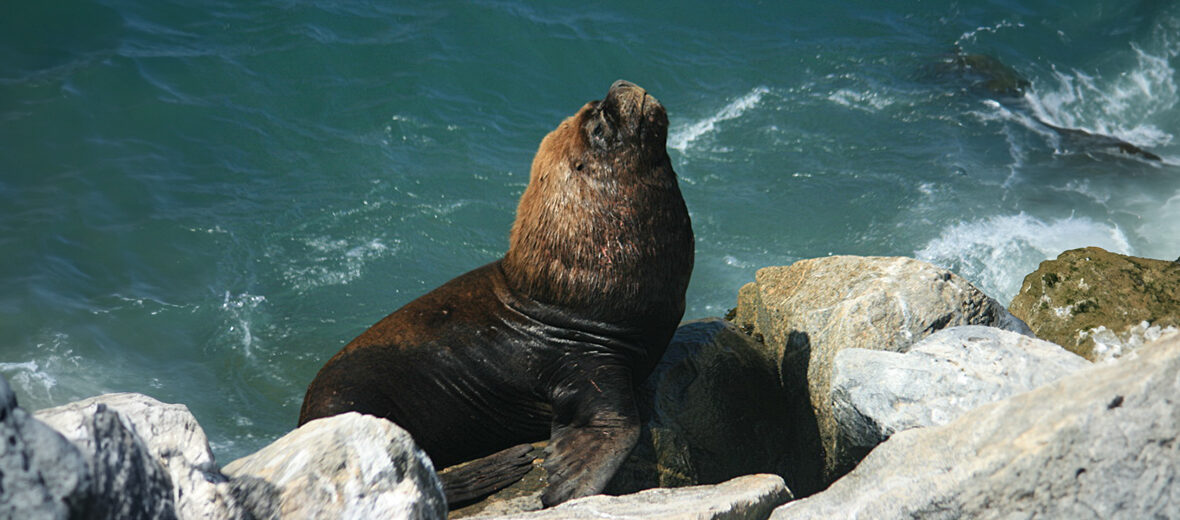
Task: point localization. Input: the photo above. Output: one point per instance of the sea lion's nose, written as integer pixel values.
(623, 84)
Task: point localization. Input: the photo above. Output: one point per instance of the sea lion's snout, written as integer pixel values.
(621, 85)
(634, 110)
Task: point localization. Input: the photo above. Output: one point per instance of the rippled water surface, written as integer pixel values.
(204, 202)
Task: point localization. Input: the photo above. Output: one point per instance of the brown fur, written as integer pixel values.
(592, 226)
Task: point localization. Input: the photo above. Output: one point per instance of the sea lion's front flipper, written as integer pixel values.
(470, 481)
(595, 426)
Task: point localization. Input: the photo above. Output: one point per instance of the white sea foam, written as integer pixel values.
(970, 36)
(55, 372)
(868, 101)
(683, 135)
(1161, 226)
(1120, 106)
(1083, 187)
(733, 261)
(998, 112)
(29, 377)
(334, 261)
(240, 310)
(996, 253)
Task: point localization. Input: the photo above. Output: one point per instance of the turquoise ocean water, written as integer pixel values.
(203, 201)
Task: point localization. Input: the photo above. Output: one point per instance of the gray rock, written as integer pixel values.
(811, 310)
(173, 436)
(42, 475)
(347, 466)
(1099, 443)
(128, 481)
(747, 497)
(877, 393)
(712, 410)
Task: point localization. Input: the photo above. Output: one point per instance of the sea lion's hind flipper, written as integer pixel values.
(471, 481)
(595, 427)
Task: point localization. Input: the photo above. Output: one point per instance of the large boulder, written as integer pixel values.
(1099, 443)
(876, 394)
(42, 475)
(347, 466)
(712, 410)
(809, 311)
(750, 497)
(172, 436)
(1100, 304)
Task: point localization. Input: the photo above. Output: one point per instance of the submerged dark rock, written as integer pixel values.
(1081, 139)
(986, 72)
(990, 77)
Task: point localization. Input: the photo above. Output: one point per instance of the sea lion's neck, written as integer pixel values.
(605, 245)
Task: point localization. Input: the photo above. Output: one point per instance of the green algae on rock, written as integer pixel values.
(1095, 303)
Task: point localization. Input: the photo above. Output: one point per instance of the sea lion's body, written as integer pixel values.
(549, 341)
(470, 368)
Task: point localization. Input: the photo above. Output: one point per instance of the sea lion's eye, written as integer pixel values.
(598, 131)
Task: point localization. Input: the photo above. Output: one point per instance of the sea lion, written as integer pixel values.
(550, 340)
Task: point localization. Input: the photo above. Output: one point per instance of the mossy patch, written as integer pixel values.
(1084, 306)
(1050, 279)
(1100, 289)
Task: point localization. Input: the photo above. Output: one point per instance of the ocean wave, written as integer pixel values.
(29, 377)
(680, 137)
(996, 253)
(1158, 226)
(1121, 106)
(56, 374)
(868, 101)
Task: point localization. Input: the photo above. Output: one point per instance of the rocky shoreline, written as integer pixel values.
(839, 387)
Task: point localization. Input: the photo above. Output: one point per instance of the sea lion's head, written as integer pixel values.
(602, 210)
(627, 124)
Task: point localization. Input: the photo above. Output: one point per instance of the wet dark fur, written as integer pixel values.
(550, 340)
